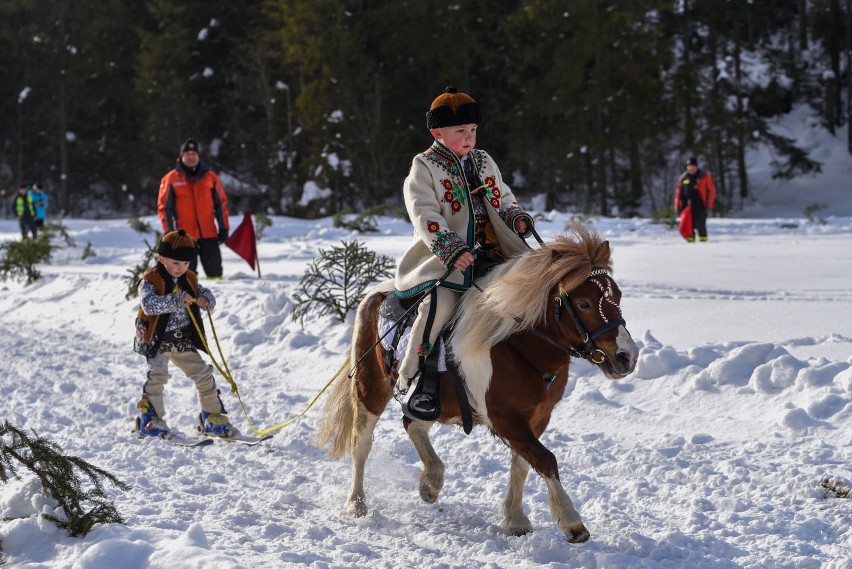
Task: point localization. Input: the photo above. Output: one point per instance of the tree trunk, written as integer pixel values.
(849, 76)
(688, 138)
(803, 25)
(636, 175)
(63, 113)
(830, 103)
(720, 176)
(742, 172)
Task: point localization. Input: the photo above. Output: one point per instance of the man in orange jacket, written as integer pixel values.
(192, 198)
(695, 187)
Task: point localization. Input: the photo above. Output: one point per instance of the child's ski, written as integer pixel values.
(182, 442)
(251, 441)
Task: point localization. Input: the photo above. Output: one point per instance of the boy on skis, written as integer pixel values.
(165, 332)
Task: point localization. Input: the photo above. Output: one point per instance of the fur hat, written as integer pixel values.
(189, 145)
(177, 245)
(692, 161)
(452, 108)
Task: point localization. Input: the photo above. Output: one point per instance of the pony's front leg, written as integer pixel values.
(356, 503)
(515, 521)
(563, 512)
(561, 507)
(432, 477)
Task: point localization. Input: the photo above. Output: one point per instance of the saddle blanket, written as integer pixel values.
(385, 324)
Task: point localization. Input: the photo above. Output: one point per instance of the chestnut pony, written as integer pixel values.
(514, 340)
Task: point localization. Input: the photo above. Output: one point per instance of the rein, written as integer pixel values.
(226, 373)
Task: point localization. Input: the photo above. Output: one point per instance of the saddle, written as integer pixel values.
(422, 401)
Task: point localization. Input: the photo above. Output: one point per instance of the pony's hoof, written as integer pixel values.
(356, 508)
(428, 493)
(577, 534)
(519, 530)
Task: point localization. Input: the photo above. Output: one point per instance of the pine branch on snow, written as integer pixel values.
(71, 481)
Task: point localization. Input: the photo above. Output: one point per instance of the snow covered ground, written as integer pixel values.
(710, 455)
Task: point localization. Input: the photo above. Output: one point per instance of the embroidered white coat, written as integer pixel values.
(437, 198)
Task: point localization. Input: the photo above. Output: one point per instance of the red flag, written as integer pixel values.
(686, 229)
(243, 242)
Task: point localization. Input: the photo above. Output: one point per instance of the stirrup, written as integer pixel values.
(400, 394)
(418, 405)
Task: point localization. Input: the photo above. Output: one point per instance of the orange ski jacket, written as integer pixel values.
(196, 204)
(703, 185)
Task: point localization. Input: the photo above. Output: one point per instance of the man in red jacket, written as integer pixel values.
(192, 198)
(696, 188)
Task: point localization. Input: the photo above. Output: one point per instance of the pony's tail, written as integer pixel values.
(344, 419)
(338, 419)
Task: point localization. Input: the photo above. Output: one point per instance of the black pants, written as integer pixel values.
(211, 257)
(699, 219)
(28, 226)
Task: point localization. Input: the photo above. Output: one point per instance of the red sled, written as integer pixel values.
(686, 229)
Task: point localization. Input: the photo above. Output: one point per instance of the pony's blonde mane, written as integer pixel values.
(520, 288)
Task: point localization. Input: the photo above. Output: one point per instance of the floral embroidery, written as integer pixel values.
(438, 155)
(492, 192)
(446, 245)
(424, 349)
(455, 194)
(511, 213)
(433, 226)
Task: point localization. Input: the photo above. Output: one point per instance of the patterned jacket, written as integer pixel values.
(161, 310)
(437, 197)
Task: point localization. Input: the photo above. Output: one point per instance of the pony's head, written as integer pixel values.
(590, 317)
(564, 288)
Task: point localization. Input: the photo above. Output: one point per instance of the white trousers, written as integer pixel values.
(195, 368)
(445, 307)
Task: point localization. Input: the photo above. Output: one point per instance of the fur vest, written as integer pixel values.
(150, 329)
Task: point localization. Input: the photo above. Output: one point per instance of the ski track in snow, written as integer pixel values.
(709, 456)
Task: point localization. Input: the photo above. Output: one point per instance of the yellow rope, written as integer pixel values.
(226, 373)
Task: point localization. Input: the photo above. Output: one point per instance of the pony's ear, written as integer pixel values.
(555, 255)
(605, 249)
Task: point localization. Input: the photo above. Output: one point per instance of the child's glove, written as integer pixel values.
(223, 235)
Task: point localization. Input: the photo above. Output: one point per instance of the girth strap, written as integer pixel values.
(460, 389)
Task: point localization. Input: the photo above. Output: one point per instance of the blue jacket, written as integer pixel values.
(39, 203)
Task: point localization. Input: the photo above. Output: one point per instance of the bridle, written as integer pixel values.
(562, 304)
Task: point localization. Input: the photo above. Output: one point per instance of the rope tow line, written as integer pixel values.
(226, 373)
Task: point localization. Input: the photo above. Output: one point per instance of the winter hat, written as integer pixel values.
(189, 145)
(177, 245)
(693, 161)
(452, 108)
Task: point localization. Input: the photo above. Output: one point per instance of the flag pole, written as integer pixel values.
(256, 255)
